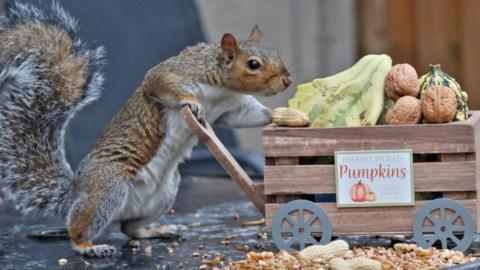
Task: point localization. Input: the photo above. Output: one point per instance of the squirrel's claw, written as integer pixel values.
(99, 251)
(197, 110)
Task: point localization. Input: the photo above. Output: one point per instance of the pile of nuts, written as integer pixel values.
(401, 256)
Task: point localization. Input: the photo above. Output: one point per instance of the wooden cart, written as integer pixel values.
(299, 166)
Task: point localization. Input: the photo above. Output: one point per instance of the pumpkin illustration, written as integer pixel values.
(359, 192)
(371, 197)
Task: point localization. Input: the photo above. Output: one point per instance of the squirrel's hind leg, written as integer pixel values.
(91, 214)
(139, 228)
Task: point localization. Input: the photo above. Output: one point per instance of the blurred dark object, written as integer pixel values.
(425, 32)
(137, 35)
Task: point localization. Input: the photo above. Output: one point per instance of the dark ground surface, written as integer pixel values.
(209, 204)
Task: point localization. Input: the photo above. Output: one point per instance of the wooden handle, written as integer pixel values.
(207, 135)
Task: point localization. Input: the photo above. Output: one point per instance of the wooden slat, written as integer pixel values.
(314, 179)
(476, 126)
(457, 137)
(380, 220)
(286, 161)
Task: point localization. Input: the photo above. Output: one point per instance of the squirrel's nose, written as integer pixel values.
(287, 81)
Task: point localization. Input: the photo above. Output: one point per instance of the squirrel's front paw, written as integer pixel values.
(197, 110)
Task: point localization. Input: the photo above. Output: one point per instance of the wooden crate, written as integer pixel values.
(299, 164)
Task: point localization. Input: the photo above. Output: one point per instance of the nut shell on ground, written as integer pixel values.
(407, 110)
(402, 80)
(439, 104)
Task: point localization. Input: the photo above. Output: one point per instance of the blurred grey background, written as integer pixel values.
(314, 37)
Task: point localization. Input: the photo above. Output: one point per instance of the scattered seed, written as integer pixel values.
(208, 262)
(225, 242)
(195, 254)
(242, 248)
(194, 225)
(148, 251)
(230, 237)
(134, 243)
(218, 260)
(170, 250)
(259, 222)
(203, 267)
(218, 254)
(62, 261)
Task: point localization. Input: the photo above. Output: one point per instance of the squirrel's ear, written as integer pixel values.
(256, 34)
(229, 47)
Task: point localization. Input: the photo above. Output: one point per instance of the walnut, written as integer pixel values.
(402, 80)
(439, 104)
(407, 110)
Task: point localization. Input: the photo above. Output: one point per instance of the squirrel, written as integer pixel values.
(131, 174)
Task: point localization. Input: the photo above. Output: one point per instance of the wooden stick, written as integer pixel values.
(207, 135)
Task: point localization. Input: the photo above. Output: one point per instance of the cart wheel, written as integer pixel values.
(443, 219)
(299, 223)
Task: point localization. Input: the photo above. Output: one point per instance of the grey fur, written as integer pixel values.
(105, 207)
(33, 169)
(250, 113)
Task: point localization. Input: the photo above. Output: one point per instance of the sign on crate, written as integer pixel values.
(374, 178)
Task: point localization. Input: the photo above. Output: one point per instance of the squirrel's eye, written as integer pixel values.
(253, 64)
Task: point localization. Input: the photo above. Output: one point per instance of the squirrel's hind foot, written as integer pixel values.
(95, 251)
(165, 231)
(169, 231)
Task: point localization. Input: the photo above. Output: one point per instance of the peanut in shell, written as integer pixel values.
(289, 117)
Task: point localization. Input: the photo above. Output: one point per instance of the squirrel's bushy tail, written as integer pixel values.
(46, 75)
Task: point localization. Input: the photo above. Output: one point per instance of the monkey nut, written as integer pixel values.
(402, 80)
(407, 110)
(289, 117)
(439, 104)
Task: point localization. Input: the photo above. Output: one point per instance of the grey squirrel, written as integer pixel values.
(130, 176)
